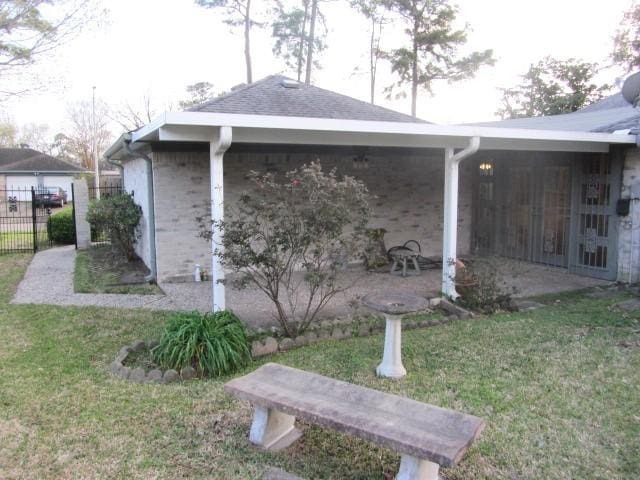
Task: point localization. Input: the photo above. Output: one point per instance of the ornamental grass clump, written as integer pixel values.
(213, 344)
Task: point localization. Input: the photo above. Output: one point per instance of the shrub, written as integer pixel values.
(291, 236)
(480, 287)
(212, 343)
(118, 216)
(60, 227)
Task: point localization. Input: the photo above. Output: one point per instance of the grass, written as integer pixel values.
(559, 388)
(99, 271)
(23, 241)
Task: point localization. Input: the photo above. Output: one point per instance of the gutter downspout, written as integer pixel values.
(450, 234)
(118, 165)
(152, 277)
(632, 201)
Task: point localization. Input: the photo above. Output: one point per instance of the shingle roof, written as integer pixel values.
(607, 115)
(269, 96)
(29, 160)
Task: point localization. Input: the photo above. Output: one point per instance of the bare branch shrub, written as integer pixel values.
(291, 237)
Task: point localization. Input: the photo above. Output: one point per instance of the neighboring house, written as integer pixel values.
(441, 185)
(25, 168)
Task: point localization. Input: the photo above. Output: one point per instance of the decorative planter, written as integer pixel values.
(340, 328)
(139, 374)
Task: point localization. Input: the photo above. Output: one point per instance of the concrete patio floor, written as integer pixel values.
(49, 280)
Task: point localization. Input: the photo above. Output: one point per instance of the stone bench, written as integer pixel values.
(425, 436)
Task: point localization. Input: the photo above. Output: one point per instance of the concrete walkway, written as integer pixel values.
(49, 280)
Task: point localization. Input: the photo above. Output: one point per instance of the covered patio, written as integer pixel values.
(227, 137)
(258, 312)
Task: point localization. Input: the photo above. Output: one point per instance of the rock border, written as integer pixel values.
(348, 327)
(139, 374)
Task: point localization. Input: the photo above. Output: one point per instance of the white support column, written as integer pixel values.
(450, 232)
(218, 146)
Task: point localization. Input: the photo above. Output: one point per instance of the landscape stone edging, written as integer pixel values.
(347, 327)
(138, 374)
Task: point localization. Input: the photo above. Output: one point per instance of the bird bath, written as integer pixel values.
(393, 306)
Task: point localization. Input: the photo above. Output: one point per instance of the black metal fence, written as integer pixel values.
(104, 191)
(24, 214)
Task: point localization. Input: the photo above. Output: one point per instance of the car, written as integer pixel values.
(51, 197)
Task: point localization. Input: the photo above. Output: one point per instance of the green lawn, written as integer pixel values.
(558, 387)
(23, 240)
(98, 270)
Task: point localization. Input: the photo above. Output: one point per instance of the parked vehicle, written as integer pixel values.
(51, 197)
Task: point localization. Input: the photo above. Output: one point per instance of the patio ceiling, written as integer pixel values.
(201, 127)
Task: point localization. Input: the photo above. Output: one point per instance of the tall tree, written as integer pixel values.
(312, 34)
(551, 87)
(374, 11)
(238, 15)
(35, 135)
(30, 29)
(198, 93)
(299, 33)
(83, 128)
(432, 53)
(626, 43)
(132, 116)
(8, 131)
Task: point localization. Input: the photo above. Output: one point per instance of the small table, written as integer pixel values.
(401, 257)
(393, 306)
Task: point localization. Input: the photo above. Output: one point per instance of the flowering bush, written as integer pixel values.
(290, 238)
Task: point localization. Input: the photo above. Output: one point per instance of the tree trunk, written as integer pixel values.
(303, 32)
(373, 56)
(414, 70)
(312, 30)
(247, 41)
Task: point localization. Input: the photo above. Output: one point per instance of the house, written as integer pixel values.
(542, 195)
(25, 168)
(592, 206)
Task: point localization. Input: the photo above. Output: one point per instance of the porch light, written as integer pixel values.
(485, 166)
(360, 162)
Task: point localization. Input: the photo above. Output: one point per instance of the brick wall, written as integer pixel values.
(408, 200)
(181, 191)
(629, 226)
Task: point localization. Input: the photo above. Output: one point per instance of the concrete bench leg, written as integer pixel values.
(391, 365)
(412, 468)
(273, 430)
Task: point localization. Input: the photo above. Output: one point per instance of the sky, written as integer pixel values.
(157, 47)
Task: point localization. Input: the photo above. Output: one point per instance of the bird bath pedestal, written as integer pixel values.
(393, 306)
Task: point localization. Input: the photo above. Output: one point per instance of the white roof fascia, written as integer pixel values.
(200, 126)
